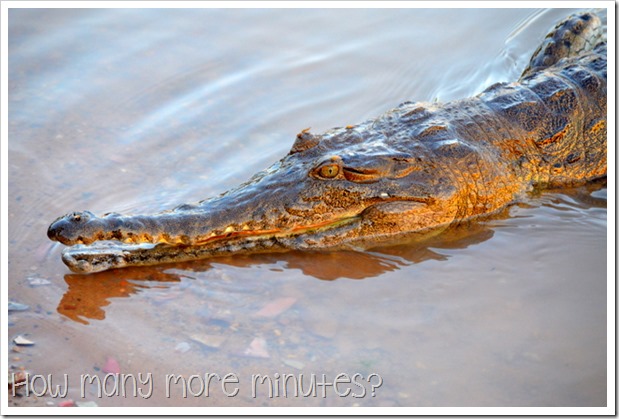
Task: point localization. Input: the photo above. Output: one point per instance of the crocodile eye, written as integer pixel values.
(329, 171)
(330, 168)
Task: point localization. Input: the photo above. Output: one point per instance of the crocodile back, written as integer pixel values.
(552, 123)
(572, 37)
(559, 116)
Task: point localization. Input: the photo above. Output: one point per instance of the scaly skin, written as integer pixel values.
(415, 170)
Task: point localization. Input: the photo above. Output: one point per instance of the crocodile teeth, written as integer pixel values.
(229, 229)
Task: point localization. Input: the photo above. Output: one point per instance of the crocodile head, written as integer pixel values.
(344, 187)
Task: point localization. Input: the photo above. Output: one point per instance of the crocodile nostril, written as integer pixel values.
(80, 216)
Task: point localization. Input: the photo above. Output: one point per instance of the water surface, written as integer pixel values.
(141, 110)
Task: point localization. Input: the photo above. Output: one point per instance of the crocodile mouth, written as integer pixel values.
(139, 249)
(276, 232)
(111, 254)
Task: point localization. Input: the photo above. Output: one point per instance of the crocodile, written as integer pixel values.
(415, 170)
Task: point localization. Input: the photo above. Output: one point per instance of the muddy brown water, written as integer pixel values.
(140, 110)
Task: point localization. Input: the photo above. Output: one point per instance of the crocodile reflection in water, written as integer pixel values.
(415, 170)
(86, 298)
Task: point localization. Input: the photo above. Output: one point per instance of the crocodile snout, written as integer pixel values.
(65, 228)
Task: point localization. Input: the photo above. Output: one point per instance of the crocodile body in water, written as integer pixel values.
(416, 169)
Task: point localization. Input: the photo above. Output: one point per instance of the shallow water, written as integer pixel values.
(141, 110)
